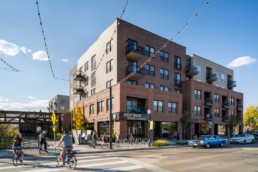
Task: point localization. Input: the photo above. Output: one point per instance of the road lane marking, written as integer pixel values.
(134, 167)
(202, 157)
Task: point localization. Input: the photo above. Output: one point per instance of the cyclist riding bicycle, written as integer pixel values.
(68, 145)
(42, 140)
(17, 145)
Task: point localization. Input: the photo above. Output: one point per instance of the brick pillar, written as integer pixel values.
(123, 129)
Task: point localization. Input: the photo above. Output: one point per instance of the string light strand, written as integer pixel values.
(13, 69)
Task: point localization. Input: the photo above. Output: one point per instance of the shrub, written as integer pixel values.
(160, 143)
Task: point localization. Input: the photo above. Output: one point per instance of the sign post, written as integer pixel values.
(54, 123)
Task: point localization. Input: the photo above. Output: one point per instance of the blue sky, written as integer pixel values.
(222, 32)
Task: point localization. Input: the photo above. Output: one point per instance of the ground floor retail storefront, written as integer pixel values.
(165, 130)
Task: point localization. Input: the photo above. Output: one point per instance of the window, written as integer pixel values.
(93, 91)
(161, 73)
(108, 103)
(216, 112)
(109, 66)
(231, 112)
(166, 74)
(223, 77)
(177, 91)
(147, 85)
(152, 52)
(92, 109)
(172, 107)
(131, 82)
(155, 105)
(86, 66)
(177, 81)
(147, 50)
(152, 70)
(62, 101)
(166, 57)
(177, 63)
(165, 88)
(216, 98)
(232, 101)
(162, 88)
(160, 106)
(93, 62)
(109, 46)
(152, 86)
(101, 106)
(86, 81)
(93, 79)
(147, 69)
(197, 94)
(109, 83)
(71, 91)
(197, 110)
(217, 75)
(199, 69)
(131, 105)
(161, 55)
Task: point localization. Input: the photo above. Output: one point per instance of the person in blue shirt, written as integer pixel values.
(68, 144)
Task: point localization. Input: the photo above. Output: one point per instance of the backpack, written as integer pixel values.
(17, 142)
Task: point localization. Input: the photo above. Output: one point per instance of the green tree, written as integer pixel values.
(78, 119)
(185, 123)
(232, 123)
(8, 130)
(251, 116)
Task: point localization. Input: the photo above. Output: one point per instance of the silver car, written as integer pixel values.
(242, 138)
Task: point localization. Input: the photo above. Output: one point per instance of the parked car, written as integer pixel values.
(208, 141)
(255, 134)
(242, 138)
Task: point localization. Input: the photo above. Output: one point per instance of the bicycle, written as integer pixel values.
(16, 157)
(69, 158)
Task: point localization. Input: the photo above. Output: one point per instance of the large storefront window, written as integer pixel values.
(204, 129)
(135, 127)
(103, 127)
(168, 129)
(221, 129)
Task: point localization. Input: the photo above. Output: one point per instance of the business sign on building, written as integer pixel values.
(130, 116)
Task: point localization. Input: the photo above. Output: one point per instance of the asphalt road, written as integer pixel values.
(233, 158)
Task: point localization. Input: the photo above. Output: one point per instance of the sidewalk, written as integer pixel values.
(82, 149)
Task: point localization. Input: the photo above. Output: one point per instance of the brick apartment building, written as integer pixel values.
(164, 85)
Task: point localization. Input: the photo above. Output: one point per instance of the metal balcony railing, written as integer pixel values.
(208, 102)
(225, 104)
(211, 77)
(191, 70)
(231, 83)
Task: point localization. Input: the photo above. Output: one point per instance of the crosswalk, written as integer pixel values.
(102, 163)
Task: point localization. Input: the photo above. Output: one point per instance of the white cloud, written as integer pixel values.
(30, 97)
(65, 60)
(241, 61)
(29, 50)
(9, 48)
(3, 100)
(23, 49)
(40, 55)
(34, 105)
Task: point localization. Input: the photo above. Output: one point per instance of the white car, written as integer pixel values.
(242, 138)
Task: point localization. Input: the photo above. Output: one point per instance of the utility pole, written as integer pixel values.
(110, 118)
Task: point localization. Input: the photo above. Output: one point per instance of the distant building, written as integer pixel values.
(169, 83)
(60, 104)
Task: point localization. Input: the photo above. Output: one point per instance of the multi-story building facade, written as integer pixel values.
(59, 104)
(208, 95)
(142, 76)
(74, 86)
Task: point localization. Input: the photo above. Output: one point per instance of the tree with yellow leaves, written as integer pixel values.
(78, 119)
(8, 130)
(251, 116)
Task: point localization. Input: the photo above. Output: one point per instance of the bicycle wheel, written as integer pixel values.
(72, 161)
(59, 161)
(15, 158)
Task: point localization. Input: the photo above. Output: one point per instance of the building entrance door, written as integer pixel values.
(157, 130)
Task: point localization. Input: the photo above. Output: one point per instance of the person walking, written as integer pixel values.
(105, 140)
(131, 138)
(94, 139)
(178, 134)
(175, 135)
(17, 145)
(42, 140)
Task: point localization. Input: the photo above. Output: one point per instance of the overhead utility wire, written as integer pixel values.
(177, 33)
(111, 38)
(13, 69)
(43, 33)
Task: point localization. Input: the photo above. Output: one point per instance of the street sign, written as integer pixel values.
(54, 118)
(210, 124)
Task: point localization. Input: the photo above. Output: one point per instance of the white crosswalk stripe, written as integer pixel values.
(98, 163)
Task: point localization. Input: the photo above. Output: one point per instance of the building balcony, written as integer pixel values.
(78, 90)
(231, 83)
(135, 72)
(177, 83)
(138, 109)
(178, 66)
(191, 70)
(211, 77)
(135, 51)
(208, 117)
(78, 76)
(225, 105)
(239, 107)
(225, 118)
(208, 102)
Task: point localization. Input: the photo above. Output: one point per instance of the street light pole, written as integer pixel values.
(149, 112)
